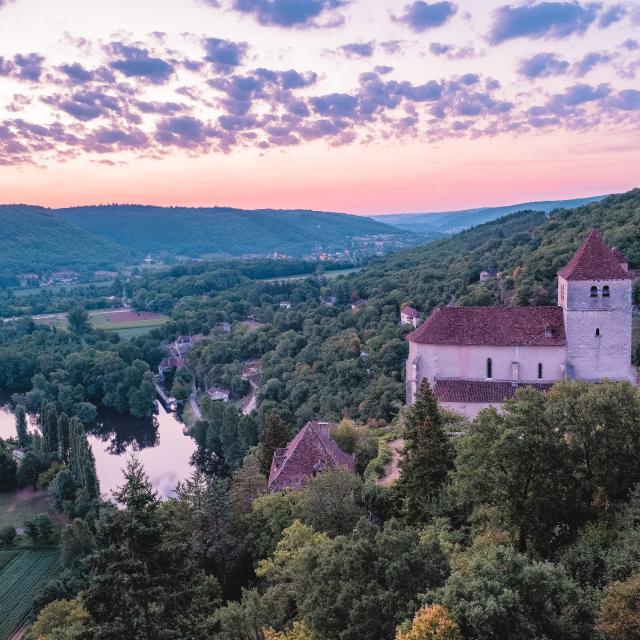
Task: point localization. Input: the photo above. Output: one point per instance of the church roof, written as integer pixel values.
(508, 326)
(480, 391)
(594, 260)
(311, 451)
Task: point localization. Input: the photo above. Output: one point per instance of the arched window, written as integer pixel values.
(605, 292)
(594, 291)
(489, 368)
(539, 370)
(598, 333)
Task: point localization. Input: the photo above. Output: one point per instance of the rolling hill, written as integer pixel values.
(34, 239)
(447, 222)
(198, 232)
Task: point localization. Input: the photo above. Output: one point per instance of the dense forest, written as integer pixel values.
(233, 232)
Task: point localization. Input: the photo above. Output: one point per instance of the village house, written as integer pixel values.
(168, 365)
(358, 304)
(219, 394)
(309, 453)
(488, 274)
(409, 316)
(476, 357)
(285, 304)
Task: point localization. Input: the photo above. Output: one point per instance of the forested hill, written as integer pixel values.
(456, 221)
(232, 232)
(33, 239)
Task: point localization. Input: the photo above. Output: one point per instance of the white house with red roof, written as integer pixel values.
(409, 316)
(476, 357)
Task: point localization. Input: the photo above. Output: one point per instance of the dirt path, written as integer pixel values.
(392, 468)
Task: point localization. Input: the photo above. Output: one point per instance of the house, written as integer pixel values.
(18, 455)
(409, 316)
(219, 394)
(358, 304)
(476, 357)
(182, 345)
(285, 304)
(329, 301)
(488, 274)
(225, 327)
(309, 453)
(168, 365)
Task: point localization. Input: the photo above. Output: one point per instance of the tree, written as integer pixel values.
(7, 536)
(142, 398)
(21, 426)
(63, 490)
(428, 456)
(275, 435)
(78, 320)
(247, 484)
(45, 527)
(496, 592)
(517, 463)
(143, 583)
(32, 465)
(332, 502)
(431, 623)
(49, 425)
(63, 437)
(76, 542)
(299, 631)
(619, 612)
(60, 620)
(8, 469)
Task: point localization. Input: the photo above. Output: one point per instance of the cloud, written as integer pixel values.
(543, 65)
(590, 61)
(76, 73)
(359, 49)
(450, 51)
(628, 100)
(613, 14)
(135, 62)
(22, 67)
(631, 44)
(420, 16)
(225, 54)
(290, 13)
(542, 20)
(185, 131)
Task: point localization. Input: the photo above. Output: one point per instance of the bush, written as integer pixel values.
(7, 536)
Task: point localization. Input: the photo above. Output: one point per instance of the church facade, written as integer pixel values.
(476, 357)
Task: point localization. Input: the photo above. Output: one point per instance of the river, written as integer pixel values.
(158, 442)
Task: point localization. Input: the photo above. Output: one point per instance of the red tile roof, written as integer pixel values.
(480, 391)
(594, 260)
(619, 256)
(410, 312)
(311, 451)
(508, 326)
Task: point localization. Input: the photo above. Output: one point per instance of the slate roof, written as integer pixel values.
(508, 326)
(410, 312)
(480, 391)
(594, 260)
(311, 451)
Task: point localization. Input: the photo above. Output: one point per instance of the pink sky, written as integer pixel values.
(335, 104)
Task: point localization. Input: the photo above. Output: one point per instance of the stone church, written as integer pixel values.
(476, 357)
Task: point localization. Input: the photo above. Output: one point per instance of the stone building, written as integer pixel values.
(475, 357)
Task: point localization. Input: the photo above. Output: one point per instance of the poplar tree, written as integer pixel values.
(21, 426)
(49, 423)
(428, 456)
(63, 437)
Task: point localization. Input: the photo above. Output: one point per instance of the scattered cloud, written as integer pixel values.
(359, 49)
(543, 65)
(542, 20)
(225, 54)
(420, 16)
(292, 13)
(136, 62)
(613, 14)
(452, 52)
(590, 61)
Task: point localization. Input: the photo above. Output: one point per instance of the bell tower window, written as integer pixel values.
(539, 370)
(594, 292)
(598, 332)
(489, 368)
(606, 293)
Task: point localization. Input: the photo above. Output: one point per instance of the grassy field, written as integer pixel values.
(20, 580)
(329, 275)
(23, 292)
(25, 504)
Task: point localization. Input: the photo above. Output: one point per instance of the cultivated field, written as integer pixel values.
(126, 319)
(21, 577)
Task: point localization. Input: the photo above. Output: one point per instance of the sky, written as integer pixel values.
(361, 106)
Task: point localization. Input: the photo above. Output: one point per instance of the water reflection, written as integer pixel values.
(158, 442)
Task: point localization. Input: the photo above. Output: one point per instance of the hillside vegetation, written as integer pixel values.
(233, 232)
(35, 240)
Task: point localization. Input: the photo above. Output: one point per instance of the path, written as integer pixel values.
(195, 407)
(251, 403)
(392, 468)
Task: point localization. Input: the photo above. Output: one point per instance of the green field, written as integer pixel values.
(25, 504)
(329, 275)
(101, 322)
(20, 580)
(22, 292)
